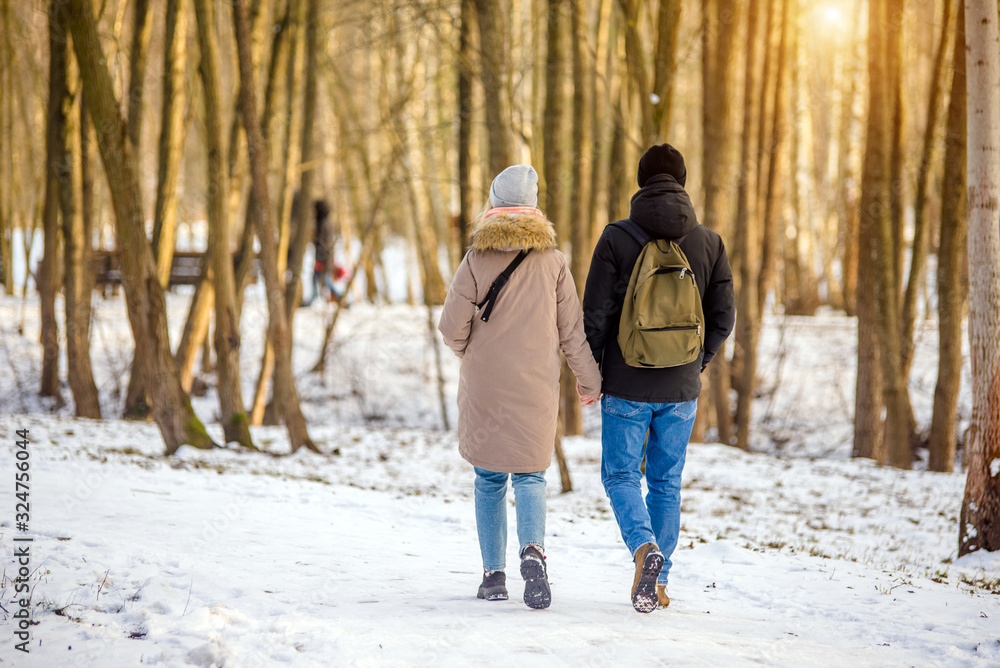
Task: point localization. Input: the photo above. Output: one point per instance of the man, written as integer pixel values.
(325, 272)
(661, 401)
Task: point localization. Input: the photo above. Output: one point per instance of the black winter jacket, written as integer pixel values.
(663, 209)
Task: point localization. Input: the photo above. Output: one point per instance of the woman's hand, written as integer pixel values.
(585, 399)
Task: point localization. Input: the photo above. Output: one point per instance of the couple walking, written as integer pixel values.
(510, 310)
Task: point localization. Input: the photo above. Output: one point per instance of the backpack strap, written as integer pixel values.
(501, 280)
(639, 233)
(635, 230)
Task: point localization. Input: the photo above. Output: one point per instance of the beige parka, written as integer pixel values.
(508, 392)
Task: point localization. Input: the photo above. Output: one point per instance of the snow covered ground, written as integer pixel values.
(795, 555)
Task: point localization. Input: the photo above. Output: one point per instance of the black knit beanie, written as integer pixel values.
(662, 159)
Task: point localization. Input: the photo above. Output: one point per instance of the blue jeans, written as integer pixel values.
(319, 279)
(491, 513)
(624, 425)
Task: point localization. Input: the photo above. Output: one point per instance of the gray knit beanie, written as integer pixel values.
(515, 186)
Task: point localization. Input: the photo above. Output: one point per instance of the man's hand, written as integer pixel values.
(585, 399)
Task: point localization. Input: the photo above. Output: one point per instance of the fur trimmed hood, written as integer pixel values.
(513, 229)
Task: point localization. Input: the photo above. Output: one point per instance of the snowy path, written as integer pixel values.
(370, 558)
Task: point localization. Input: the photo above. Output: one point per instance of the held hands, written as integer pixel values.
(584, 399)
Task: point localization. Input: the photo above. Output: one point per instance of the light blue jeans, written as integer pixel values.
(624, 425)
(491, 513)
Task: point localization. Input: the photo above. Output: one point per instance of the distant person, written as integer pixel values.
(509, 334)
(651, 385)
(325, 272)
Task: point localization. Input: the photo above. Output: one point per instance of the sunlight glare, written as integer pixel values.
(830, 16)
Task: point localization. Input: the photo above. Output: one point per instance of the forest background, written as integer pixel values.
(846, 150)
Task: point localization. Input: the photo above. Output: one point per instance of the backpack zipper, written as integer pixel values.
(684, 271)
(667, 329)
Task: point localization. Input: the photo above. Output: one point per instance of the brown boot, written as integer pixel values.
(648, 563)
(661, 596)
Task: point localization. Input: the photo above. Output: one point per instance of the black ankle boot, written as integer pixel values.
(494, 587)
(536, 582)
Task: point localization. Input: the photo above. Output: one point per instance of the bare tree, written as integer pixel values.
(143, 294)
(286, 403)
(952, 286)
(495, 73)
(227, 328)
(979, 522)
(873, 211)
(918, 255)
(747, 333)
(171, 137)
(466, 74)
(309, 154)
(48, 272)
(884, 92)
(773, 185)
(142, 27)
(76, 237)
(720, 23)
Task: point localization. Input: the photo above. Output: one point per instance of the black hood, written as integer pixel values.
(662, 207)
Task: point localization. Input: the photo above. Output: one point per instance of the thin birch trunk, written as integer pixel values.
(979, 522)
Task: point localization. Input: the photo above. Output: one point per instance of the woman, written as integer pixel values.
(508, 393)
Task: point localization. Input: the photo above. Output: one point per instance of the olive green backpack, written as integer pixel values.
(662, 323)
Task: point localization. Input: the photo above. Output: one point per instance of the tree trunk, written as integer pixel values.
(137, 399)
(847, 205)
(869, 435)
(143, 294)
(279, 53)
(887, 92)
(466, 72)
(776, 175)
(635, 64)
(952, 290)
(579, 220)
(286, 403)
(746, 236)
(171, 138)
(77, 284)
(227, 329)
(142, 26)
(307, 172)
(554, 121)
(48, 271)
(6, 163)
(979, 523)
(893, 34)
(665, 66)
(195, 327)
(719, 35)
(261, 410)
(6, 167)
(920, 232)
(600, 119)
(495, 77)
(878, 320)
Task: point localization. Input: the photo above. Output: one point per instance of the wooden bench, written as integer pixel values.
(185, 269)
